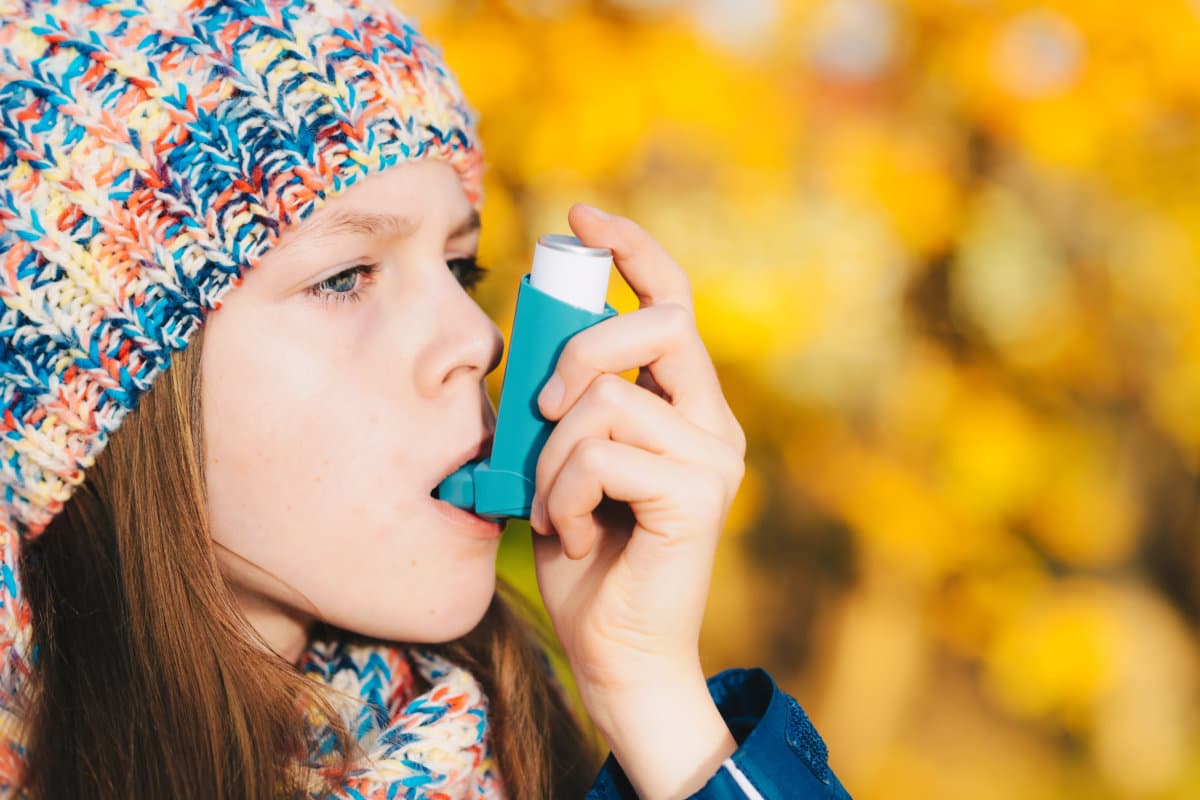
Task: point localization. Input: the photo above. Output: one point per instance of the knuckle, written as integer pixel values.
(591, 454)
(679, 321)
(733, 466)
(739, 439)
(608, 390)
(710, 488)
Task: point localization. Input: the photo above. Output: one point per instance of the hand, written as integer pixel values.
(636, 479)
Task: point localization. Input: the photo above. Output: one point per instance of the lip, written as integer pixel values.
(479, 450)
(475, 526)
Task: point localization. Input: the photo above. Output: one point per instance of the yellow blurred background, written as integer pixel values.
(944, 255)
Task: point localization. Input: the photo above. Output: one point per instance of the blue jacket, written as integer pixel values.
(779, 755)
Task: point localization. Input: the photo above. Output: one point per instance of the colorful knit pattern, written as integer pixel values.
(431, 746)
(150, 154)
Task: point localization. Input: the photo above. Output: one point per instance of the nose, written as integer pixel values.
(464, 345)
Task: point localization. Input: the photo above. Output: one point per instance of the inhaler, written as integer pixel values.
(562, 294)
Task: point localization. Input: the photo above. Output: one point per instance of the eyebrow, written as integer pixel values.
(374, 223)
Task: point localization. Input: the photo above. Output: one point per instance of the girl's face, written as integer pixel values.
(333, 401)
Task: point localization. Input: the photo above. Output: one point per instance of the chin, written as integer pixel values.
(447, 613)
(462, 612)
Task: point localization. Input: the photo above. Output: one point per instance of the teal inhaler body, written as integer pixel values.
(573, 281)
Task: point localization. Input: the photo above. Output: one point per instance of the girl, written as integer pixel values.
(244, 588)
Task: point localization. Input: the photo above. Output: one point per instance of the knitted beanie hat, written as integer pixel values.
(150, 154)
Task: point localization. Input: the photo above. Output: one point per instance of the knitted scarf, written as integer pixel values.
(434, 745)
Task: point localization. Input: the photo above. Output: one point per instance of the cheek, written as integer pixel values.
(280, 434)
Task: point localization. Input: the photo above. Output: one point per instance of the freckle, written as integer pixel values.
(413, 563)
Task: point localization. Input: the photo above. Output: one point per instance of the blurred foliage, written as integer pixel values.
(945, 257)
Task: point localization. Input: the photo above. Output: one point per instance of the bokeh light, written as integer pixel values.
(945, 256)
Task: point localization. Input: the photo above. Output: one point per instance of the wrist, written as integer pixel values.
(601, 689)
(669, 738)
(614, 706)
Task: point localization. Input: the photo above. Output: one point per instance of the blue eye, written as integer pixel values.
(345, 286)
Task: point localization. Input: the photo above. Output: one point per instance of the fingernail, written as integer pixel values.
(597, 212)
(552, 393)
(535, 515)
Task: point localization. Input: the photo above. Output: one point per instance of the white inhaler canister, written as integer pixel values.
(568, 270)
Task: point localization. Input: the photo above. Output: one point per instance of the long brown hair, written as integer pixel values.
(149, 682)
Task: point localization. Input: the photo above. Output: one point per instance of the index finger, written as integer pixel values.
(647, 267)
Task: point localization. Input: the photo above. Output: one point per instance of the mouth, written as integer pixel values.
(478, 451)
